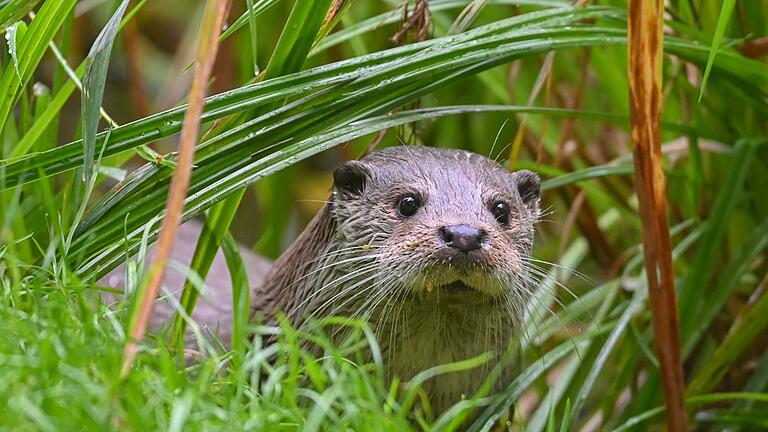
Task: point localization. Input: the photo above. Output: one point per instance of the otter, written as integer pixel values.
(430, 245)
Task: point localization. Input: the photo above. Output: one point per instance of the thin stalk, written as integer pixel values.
(645, 84)
(213, 19)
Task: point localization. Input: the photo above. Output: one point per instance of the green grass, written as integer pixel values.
(586, 349)
(61, 359)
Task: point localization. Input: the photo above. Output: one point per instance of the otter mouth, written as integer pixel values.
(456, 294)
(456, 287)
(459, 294)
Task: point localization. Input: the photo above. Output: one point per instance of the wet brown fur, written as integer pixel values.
(358, 257)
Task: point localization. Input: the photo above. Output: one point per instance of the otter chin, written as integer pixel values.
(430, 245)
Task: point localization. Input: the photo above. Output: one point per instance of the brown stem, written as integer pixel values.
(645, 85)
(215, 11)
(138, 98)
(755, 48)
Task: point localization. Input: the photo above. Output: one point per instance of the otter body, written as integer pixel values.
(431, 246)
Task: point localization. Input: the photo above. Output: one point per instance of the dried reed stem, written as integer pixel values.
(645, 84)
(213, 18)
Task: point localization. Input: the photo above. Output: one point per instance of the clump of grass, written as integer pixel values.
(61, 355)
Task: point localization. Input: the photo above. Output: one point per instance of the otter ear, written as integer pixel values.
(351, 177)
(529, 187)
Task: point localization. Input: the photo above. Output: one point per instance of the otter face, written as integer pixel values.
(441, 224)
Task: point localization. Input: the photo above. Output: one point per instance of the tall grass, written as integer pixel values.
(298, 86)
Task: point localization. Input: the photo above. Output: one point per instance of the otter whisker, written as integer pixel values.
(511, 308)
(392, 301)
(363, 270)
(379, 292)
(388, 287)
(319, 275)
(559, 302)
(583, 277)
(372, 310)
(544, 275)
(328, 302)
(339, 263)
(557, 317)
(345, 250)
(548, 211)
(495, 140)
(385, 311)
(541, 334)
(353, 297)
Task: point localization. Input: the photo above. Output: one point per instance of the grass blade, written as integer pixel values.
(231, 174)
(13, 10)
(214, 231)
(298, 37)
(744, 330)
(392, 17)
(692, 401)
(722, 25)
(13, 34)
(252, 12)
(607, 347)
(692, 293)
(50, 115)
(488, 417)
(241, 304)
(254, 37)
(727, 280)
(336, 11)
(95, 76)
(31, 48)
(586, 174)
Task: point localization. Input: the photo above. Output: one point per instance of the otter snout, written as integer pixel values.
(465, 238)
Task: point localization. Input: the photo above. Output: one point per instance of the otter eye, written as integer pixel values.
(408, 205)
(500, 211)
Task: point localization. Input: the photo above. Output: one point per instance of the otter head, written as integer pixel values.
(437, 225)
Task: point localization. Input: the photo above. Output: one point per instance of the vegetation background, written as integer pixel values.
(540, 84)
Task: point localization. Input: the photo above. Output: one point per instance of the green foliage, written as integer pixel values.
(93, 86)
(586, 346)
(67, 379)
(30, 50)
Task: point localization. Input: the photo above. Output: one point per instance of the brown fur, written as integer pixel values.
(359, 257)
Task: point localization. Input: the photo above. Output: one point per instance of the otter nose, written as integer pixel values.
(462, 237)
